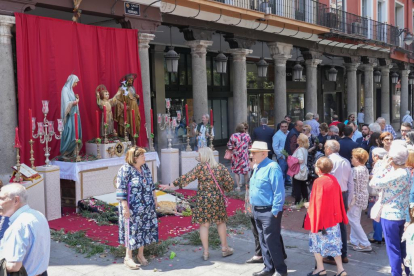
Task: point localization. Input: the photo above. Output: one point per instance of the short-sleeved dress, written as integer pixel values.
(240, 143)
(143, 223)
(210, 205)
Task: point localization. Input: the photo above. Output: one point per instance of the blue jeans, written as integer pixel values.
(284, 166)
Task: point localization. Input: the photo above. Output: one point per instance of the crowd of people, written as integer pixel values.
(340, 172)
(337, 171)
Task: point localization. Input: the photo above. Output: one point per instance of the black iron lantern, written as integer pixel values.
(262, 66)
(221, 61)
(332, 73)
(297, 71)
(171, 58)
(394, 78)
(377, 76)
(411, 79)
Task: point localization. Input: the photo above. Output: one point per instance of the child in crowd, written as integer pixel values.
(408, 237)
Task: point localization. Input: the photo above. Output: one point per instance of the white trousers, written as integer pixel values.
(357, 236)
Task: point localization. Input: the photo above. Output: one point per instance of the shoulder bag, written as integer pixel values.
(226, 200)
(302, 175)
(228, 154)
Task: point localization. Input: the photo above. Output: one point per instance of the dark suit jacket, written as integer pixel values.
(363, 144)
(347, 145)
(291, 141)
(264, 133)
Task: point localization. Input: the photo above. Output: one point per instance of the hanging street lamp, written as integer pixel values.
(171, 58)
(262, 66)
(221, 61)
(377, 76)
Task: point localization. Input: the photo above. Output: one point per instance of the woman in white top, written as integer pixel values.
(299, 180)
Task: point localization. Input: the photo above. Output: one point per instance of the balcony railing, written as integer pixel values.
(316, 13)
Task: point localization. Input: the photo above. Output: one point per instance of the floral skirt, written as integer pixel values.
(326, 245)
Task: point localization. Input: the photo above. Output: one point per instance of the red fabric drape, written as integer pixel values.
(48, 51)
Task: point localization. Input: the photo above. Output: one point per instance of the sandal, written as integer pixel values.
(143, 261)
(227, 252)
(361, 248)
(343, 273)
(320, 273)
(205, 256)
(131, 264)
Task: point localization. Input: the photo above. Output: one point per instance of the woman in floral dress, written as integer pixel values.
(240, 142)
(210, 203)
(138, 225)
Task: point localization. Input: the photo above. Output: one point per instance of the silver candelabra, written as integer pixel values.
(168, 125)
(45, 131)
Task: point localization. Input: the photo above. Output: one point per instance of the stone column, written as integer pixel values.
(351, 70)
(404, 93)
(385, 92)
(311, 96)
(369, 92)
(8, 105)
(239, 84)
(159, 85)
(143, 43)
(280, 53)
(199, 76)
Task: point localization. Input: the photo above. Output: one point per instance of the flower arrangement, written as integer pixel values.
(98, 140)
(135, 135)
(79, 141)
(284, 153)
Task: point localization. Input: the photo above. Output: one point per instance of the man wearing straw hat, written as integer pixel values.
(267, 196)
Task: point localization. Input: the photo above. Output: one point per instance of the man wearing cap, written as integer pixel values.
(267, 196)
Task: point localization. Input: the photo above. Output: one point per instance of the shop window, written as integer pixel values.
(396, 101)
(296, 105)
(253, 80)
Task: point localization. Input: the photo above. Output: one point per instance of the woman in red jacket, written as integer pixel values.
(325, 211)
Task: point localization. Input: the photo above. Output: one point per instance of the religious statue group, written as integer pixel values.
(126, 95)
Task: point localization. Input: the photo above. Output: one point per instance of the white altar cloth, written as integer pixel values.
(70, 170)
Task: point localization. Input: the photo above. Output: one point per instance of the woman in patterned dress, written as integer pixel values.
(240, 142)
(210, 204)
(359, 200)
(325, 211)
(138, 225)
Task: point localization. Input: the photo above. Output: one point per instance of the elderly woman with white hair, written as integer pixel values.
(395, 184)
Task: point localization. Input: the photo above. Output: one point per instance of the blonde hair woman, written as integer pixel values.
(299, 180)
(210, 207)
(138, 225)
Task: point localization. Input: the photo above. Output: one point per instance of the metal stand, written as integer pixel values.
(32, 159)
(167, 126)
(78, 159)
(188, 140)
(211, 138)
(18, 177)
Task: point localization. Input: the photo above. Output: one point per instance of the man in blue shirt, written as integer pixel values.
(278, 145)
(27, 240)
(267, 196)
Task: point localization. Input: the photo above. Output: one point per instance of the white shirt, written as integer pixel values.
(343, 173)
(360, 117)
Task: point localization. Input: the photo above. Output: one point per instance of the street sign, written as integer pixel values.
(132, 9)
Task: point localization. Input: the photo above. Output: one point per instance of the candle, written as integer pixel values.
(40, 128)
(97, 124)
(174, 121)
(133, 122)
(166, 118)
(211, 117)
(31, 121)
(45, 107)
(104, 114)
(60, 125)
(76, 127)
(167, 103)
(159, 119)
(16, 139)
(186, 115)
(125, 113)
(178, 115)
(51, 127)
(152, 121)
